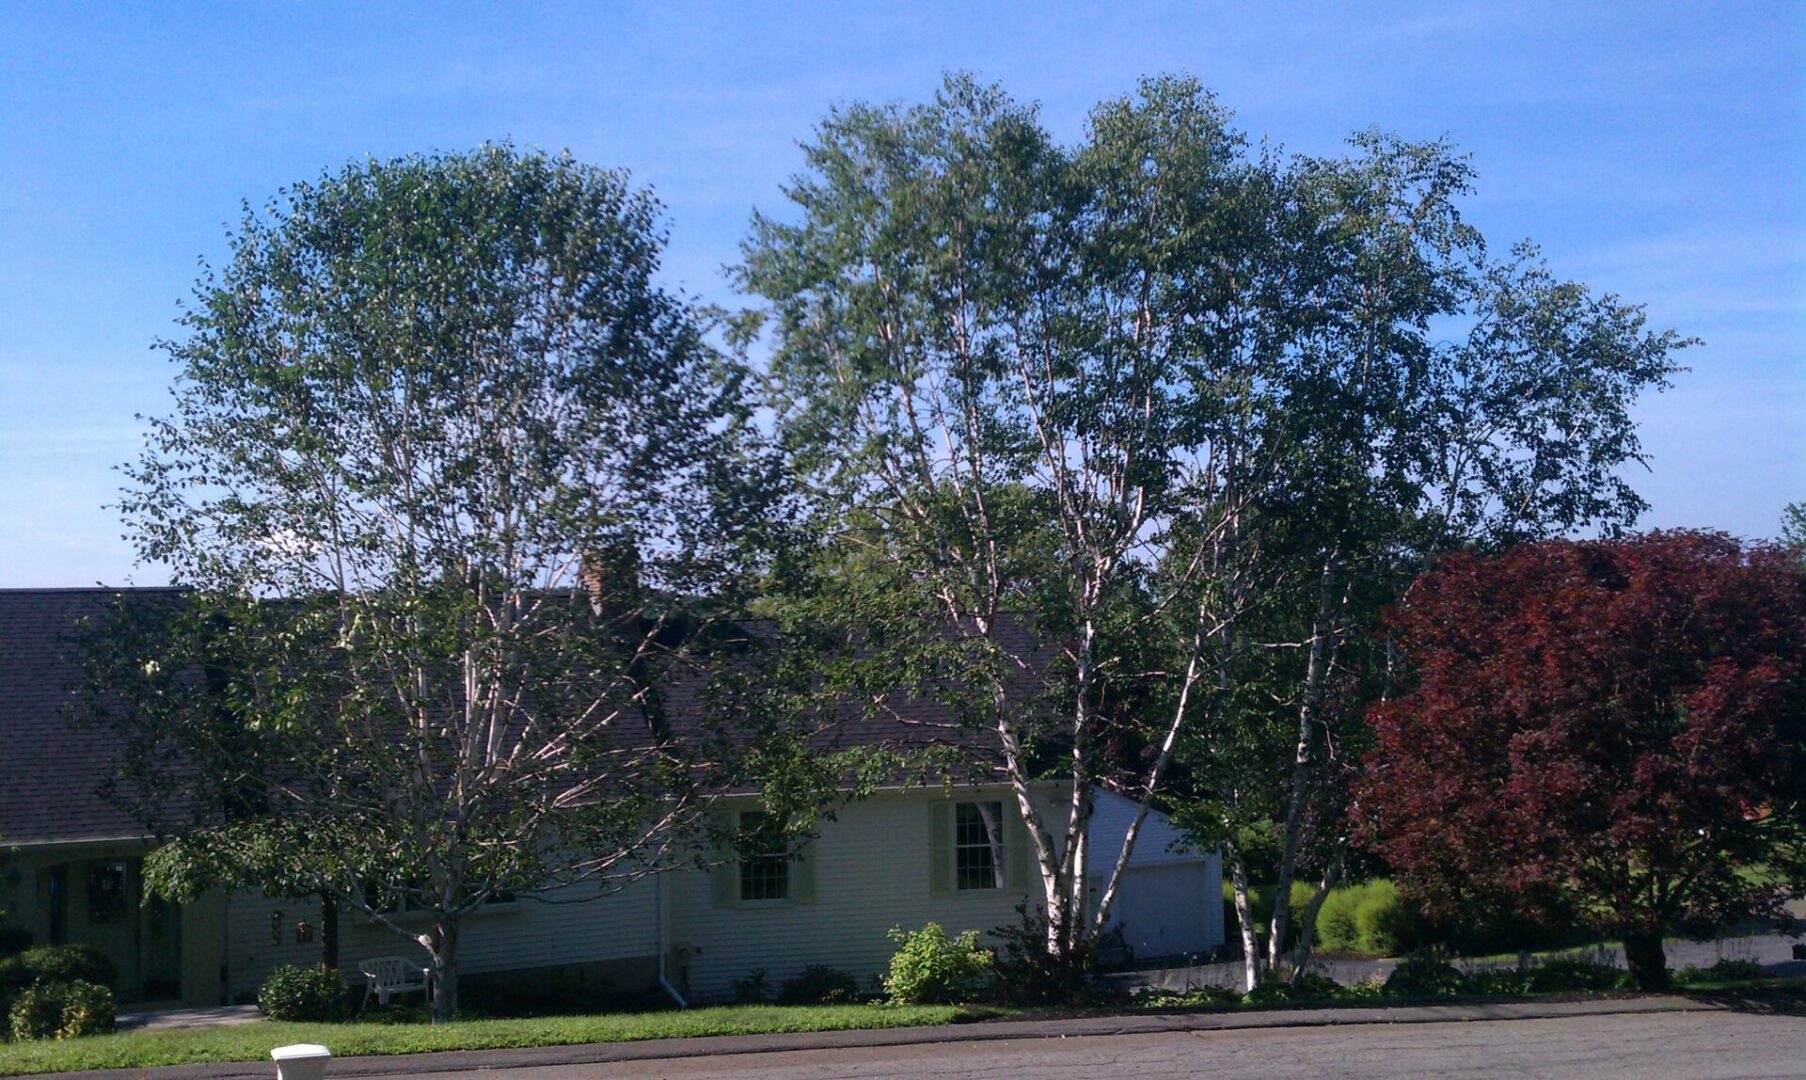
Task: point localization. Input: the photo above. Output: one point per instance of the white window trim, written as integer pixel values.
(994, 836)
(741, 899)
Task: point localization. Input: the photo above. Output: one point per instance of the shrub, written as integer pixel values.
(1426, 976)
(304, 993)
(819, 985)
(1336, 930)
(1369, 918)
(1303, 988)
(1531, 922)
(1027, 974)
(755, 989)
(57, 963)
(930, 968)
(1366, 990)
(1388, 924)
(1725, 970)
(1568, 974)
(13, 940)
(1154, 997)
(1500, 982)
(1260, 908)
(51, 963)
(57, 1009)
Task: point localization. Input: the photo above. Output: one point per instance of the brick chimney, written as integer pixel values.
(610, 575)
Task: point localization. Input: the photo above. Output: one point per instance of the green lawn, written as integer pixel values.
(252, 1042)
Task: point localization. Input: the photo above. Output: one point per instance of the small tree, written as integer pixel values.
(458, 494)
(1793, 524)
(1619, 723)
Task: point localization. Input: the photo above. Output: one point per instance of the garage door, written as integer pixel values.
(1163, 910)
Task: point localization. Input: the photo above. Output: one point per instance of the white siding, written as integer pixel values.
(526, 934)
(1158, 843)
(872, 875)
(251, 950)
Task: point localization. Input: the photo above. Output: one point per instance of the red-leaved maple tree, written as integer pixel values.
(1619, 723)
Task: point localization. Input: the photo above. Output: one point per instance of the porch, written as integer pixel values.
(92, 894)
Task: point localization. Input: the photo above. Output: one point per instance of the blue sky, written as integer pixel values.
(1654, 150)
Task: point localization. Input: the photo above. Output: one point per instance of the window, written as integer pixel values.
(764, 860)
(978, 845)
(107, 892)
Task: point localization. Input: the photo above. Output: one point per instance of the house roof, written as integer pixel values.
(897, 720)
(51, 770)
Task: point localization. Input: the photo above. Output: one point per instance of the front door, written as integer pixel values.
(160, 949)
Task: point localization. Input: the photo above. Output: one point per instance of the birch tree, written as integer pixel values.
(458, 493)
(1186, 408)
(995, 372)
(1431, 397)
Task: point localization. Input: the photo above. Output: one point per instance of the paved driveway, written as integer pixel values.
(1772, 949)
(1670, 1045)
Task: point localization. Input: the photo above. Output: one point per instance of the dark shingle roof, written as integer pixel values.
(51, 770)
(900, 720)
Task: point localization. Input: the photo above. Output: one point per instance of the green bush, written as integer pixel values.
(1153, 997)
(1426, 976)
(52, 963)
(57, 1009)
(1724, 971)
(1370, 919)
(1500, 982)
(1027, 974)
(930, 968)
(1366, 990)
(755, 989)
(1303, 988)
(1563, 975)
(820, 985)
(56, 963)
(1260, 908)
(1374, 919)
(1387, 924)
(13, 940)
(304, 993)
(1532, 922)
(1336, 929)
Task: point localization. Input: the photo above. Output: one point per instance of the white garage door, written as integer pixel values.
(1163, 910)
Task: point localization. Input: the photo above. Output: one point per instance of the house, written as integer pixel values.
(903, 857)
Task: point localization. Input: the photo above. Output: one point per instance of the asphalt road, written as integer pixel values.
(1671, 1046)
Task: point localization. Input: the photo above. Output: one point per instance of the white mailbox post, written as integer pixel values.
(302, 1061)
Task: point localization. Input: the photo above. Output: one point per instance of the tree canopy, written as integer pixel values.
(1179, 405)
(458, 494)
(1620, 723)
(1116, 449)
